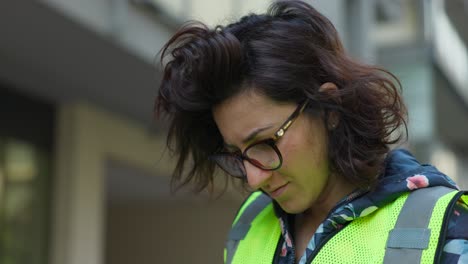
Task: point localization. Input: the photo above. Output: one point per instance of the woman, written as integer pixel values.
(275, 101)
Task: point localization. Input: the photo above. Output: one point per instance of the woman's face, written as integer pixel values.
(303, 176)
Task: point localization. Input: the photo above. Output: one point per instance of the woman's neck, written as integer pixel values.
(335, 190)
(306, 223)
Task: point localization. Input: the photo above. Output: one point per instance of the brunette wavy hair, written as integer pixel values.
(285, 54)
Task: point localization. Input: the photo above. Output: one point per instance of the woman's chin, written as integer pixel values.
(292, 207)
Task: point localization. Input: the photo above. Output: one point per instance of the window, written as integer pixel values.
(25, 178)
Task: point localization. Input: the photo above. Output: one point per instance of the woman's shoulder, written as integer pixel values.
(256, 201)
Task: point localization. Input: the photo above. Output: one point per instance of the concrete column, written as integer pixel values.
(354, 20)
(359, 17)
(78, 201)
(335, 10)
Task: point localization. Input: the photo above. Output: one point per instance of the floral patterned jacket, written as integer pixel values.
(402, 173)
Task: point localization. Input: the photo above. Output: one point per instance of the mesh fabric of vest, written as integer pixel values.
(259, 245)
(252, 197)
(364, 239)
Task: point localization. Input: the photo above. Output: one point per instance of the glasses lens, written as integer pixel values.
(264, 156)
(231, 164)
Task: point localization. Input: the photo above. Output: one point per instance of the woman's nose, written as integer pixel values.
(256, 177)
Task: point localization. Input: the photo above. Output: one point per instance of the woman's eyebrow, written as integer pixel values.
(249, 137)
(254, 133)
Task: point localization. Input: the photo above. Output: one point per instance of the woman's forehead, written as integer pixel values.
(242, 114)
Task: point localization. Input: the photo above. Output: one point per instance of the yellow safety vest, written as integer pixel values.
(396, 233)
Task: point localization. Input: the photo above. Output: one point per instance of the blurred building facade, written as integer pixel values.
(83, 178)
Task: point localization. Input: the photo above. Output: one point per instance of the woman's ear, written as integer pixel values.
(331, 91)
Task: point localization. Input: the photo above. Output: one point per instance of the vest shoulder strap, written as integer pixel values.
(241, 227)
(411, 235)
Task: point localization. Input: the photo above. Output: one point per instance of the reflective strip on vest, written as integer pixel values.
(364, 240)
(411, 235)
(242, 226)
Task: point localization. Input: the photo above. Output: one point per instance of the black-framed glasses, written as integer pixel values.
(263, 154)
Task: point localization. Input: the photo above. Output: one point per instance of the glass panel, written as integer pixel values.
(2, 192)
(24, 171)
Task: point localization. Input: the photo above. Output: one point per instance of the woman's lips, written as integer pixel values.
(278, 191)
